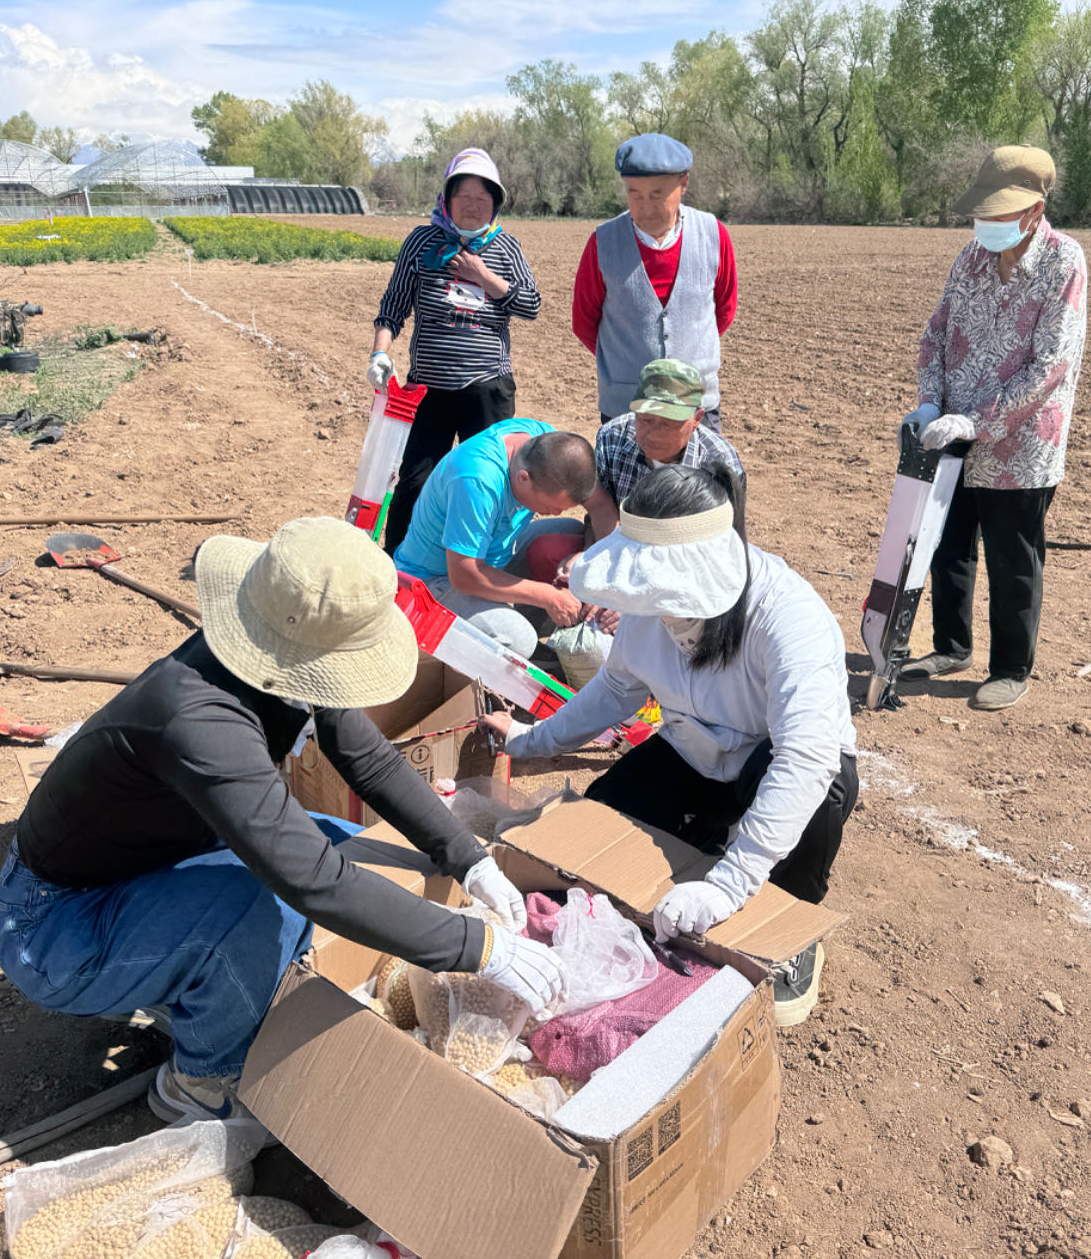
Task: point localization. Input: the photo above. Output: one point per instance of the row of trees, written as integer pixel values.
(320, 137)
(853, 114)
(822, 114)
(60, 141)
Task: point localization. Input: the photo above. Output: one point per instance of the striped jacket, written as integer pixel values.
(460, 335)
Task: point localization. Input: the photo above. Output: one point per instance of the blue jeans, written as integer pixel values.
(205, 937)
(507, 624)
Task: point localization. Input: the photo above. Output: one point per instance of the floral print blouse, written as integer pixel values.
(1007, 356)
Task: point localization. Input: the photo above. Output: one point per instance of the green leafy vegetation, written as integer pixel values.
(71, 382)
(262, 240)
(70, 239)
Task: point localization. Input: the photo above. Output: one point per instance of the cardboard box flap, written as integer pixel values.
(430, 1154)
(638, 864)
(438, 698)
(773, 926)
(585, 839)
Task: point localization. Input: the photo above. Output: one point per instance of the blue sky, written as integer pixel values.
(140, 68)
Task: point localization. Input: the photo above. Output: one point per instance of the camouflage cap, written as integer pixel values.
(670, 388)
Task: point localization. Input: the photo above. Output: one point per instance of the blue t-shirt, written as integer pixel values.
(467, 506)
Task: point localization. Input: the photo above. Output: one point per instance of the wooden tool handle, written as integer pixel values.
(97, 519)
(123, 579)
(60, 673)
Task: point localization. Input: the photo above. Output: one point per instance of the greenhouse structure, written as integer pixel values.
(154, 178)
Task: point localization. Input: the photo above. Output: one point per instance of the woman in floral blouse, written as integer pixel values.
(998, 367)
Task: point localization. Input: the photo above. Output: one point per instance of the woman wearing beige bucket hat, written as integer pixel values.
(162, 862)
(755, 760)
(998, 367)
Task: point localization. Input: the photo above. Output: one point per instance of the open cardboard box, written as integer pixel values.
(455, 1171)
(433, 726)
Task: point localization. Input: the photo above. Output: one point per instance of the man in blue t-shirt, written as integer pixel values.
(474, 519)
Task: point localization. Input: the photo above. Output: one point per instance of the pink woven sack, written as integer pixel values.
(579, 1043)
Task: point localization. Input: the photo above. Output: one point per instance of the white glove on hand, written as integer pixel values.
(921, 417)
(380, 369)
(691, 907)
(948, 429)
(486, 883)
(529, 970)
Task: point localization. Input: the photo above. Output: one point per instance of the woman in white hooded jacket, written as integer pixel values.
(756, 756)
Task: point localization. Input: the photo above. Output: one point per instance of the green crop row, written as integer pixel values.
(261, 240)
(69, 239)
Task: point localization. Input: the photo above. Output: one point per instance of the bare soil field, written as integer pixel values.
(966, 867)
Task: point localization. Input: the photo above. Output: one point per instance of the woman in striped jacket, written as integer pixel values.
(463, 278)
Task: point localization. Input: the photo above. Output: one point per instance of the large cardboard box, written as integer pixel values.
(455, 1171)
(433, 726)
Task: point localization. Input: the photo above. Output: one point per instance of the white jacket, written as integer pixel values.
(787, 684)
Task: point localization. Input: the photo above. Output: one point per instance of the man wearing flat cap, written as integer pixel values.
(657, 281)
(998, 367)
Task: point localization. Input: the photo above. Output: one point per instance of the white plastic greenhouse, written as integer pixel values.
(154, 178)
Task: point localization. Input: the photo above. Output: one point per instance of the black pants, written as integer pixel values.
(443, 415)
(1011, 524)
(653, 784)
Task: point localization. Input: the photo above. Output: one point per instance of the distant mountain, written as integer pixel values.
(88, 153)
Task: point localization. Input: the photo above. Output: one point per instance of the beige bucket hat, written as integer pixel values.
(308, 616)
(1011, 178)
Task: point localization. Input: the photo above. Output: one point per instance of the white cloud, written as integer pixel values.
(68, 86)
(405, 114)
(141, 68)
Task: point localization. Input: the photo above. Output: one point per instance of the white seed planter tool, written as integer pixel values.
(923, 488)
(392, 413)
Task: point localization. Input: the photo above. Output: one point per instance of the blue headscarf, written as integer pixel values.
(440, 254)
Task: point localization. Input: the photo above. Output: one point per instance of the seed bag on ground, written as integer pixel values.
(59, 1208)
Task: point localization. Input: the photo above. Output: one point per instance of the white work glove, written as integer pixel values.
(921, 417)
(948, 429)
(692, 908)
(485, 882)
(528, 970)
(380, 369)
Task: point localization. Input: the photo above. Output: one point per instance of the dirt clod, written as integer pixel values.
(991, 1152)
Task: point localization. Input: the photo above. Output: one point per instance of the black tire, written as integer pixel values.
(20, 361)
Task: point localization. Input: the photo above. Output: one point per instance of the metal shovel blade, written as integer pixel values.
(80, 550)
(84, 550)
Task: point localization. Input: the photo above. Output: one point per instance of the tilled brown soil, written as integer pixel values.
(966, 867)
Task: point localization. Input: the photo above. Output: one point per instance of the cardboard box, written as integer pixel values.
(452, 1169)
(432, 725)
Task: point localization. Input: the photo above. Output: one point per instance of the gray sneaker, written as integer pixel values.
(935, 665)
(999, 693)
(795, 985)
(173, 1095)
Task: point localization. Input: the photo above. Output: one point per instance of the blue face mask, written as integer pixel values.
(996, 237)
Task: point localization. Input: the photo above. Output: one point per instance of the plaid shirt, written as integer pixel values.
(620, 463)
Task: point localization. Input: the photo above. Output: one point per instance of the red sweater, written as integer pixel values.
(661, 266)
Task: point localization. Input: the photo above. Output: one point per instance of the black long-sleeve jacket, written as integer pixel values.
(186, 756)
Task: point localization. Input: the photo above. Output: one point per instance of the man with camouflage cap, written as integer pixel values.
(662, 426)
(998, 367)
(656, 281)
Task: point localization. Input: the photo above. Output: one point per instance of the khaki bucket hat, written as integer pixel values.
(1011, 178)
(670, 388)
(308, 616)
